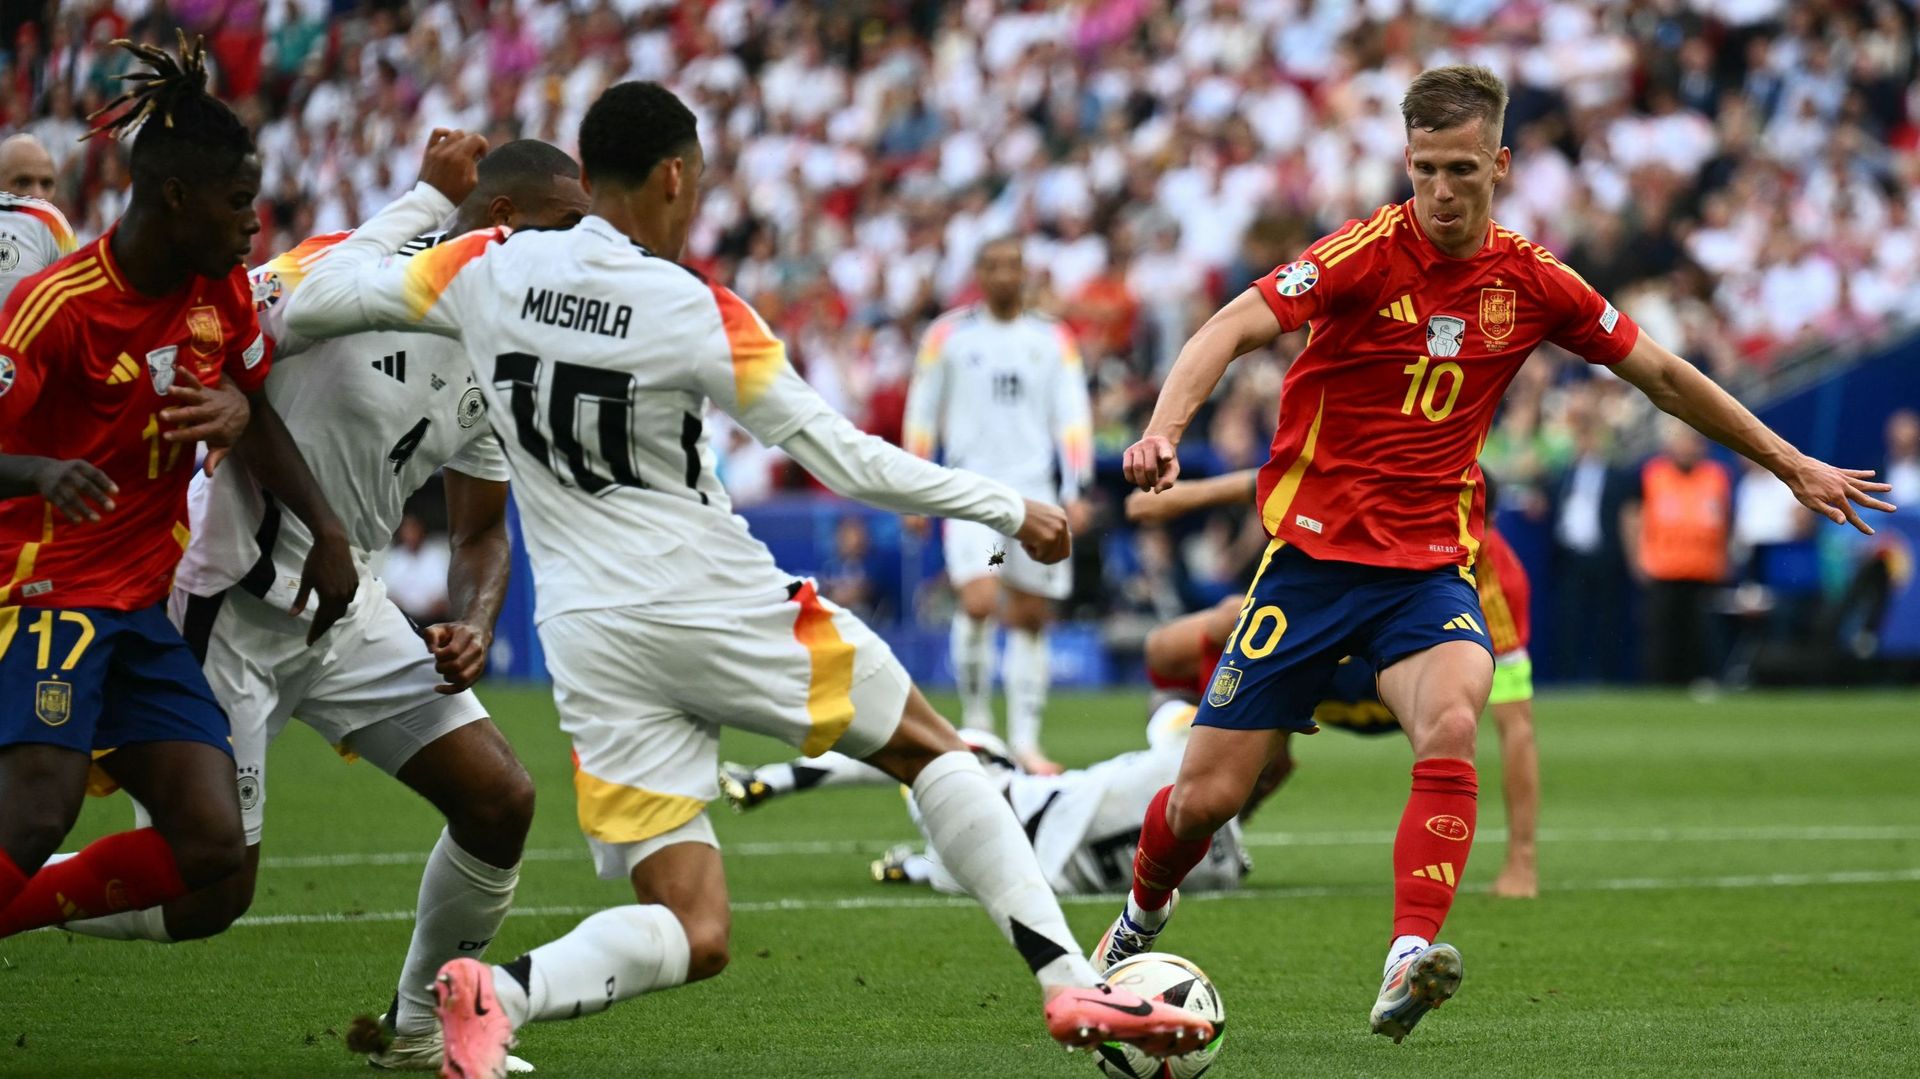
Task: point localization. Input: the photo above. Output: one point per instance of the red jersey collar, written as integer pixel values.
(103, 250)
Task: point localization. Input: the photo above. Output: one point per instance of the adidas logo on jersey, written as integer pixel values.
(124, 370)
(1464, 622)
(1400, 310)
(1442, 873)
(394, 365)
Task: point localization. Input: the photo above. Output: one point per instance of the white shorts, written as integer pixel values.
(643, 694)
(367, 686)
(968, 547)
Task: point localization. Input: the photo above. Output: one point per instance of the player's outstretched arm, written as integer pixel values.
(356, 286)
(476, 579)
(1231, 489)
(1681, 390)
(77, 489)
(1246, 323)
(275, 460)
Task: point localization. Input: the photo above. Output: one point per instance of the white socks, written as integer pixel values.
(970, 647)
(1027, 676)
(1402, 945)
(612, 955)
(149, 924)
(1149, 920)
(463, 901)
(979, 841)
(829, 769)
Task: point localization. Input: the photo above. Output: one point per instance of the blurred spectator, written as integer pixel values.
(849, 578)
(1675, 531)
(1589, 560)
(1903, 459)
(415, 572)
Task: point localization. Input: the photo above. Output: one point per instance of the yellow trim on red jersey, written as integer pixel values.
(1289, 485)
(1384, 225)
(79, 287)
(1540, 254)
(105, 255)
(9, 623)
(1501, 629)
(1467, 484)
(43, 292)
(1354, 238)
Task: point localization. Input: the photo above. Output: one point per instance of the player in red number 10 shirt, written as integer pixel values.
(1419, 317)
(114, 361)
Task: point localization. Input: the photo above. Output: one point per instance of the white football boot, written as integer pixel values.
(1416, 983)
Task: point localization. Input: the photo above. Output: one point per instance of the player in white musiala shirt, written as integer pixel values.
(1084, 822)
(377, 414)
(1002, 391)
(661, 616)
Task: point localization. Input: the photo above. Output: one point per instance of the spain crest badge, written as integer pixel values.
(1496, 316)
(53, 703)
(203, 326)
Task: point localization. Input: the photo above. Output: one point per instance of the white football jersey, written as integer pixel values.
(375, 415)
(33, 236)
(1006, 399)
(597, 360)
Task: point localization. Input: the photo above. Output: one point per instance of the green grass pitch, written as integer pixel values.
(1729, 888)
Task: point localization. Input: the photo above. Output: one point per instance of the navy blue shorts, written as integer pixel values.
(89, 678)
(1352, 702)
(1303, 616)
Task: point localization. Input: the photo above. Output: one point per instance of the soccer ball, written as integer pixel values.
(1159, 976)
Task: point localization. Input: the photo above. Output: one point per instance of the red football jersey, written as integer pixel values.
(1408, 354)
(1505, 593)
(85, 365)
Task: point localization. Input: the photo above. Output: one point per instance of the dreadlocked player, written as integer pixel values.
(94, 467)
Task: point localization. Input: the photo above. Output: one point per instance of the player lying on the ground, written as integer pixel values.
(1420, 316)
(379, 414)
(1001, 389)
(114, 362)
(1084, 822)
(1182, 655)
(660, 614)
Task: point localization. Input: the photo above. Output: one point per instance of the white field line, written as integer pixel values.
(902, 902)
(1782, 833)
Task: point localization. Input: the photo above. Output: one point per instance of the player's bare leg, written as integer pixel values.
(1219, 774)
(676, 932)
(472, 777)
(1437, 694)
(195, 839)
(980, 842)
(1520, 784)
(1027, 675)
(971, 650)
(41, 790)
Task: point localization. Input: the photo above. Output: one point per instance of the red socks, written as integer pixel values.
(1430, 851)
(11, 880)
(125, 871)
(1163, 860)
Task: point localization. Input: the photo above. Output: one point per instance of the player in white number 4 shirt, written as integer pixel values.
(1001, 389)
(377, 414)
(662, 617)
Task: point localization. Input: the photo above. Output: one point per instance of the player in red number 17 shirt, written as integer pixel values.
(1419, 317)
(114, 361)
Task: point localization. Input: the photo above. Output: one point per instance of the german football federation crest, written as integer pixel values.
(1226, 682)
(53, 703)
(9, 255)
(1444, 334)
(1295, 278)
(1496, 315)
(203, 326)
(473, 405)
(160, 364)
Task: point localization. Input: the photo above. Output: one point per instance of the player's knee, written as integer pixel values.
(1195, 811)
(707, 950)
(209, 854)
(502, 807)
(210, 911)
(34, 834)
(1449, 733)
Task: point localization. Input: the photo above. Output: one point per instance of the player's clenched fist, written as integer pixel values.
(1151, 463)
(76, 487)
(1044, 534)
(452, 162)
(459, 654)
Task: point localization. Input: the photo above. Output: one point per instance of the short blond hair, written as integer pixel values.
(1445, 97)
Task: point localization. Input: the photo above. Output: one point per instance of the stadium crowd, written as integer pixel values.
(1741, 176)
